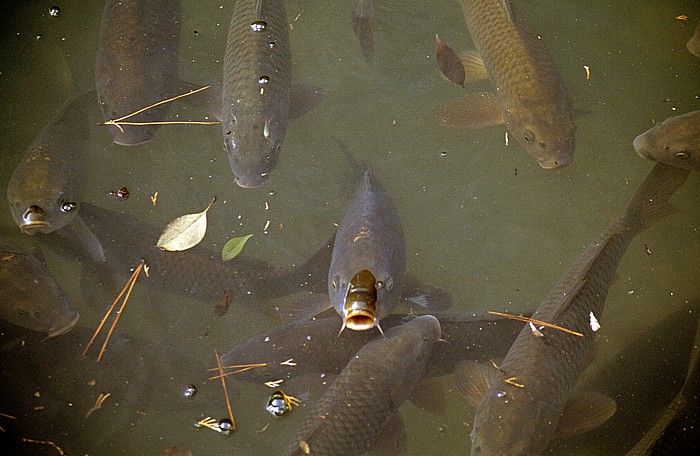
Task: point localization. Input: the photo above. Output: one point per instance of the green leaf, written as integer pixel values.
(185, 231)
(233, 247)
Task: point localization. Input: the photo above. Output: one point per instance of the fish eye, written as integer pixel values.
(682, 155)
(528, 136)
(267, 159)
(67, 206)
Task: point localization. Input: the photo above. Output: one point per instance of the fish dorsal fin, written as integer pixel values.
(87, 239)
(474, 379)
(584, 412)
(505, 4)
(429, 395)
(474, 67)
(571, 292)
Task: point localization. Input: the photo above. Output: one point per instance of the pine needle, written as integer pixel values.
(223, 383)
(537, 322)
(118, 122)
(127, 289)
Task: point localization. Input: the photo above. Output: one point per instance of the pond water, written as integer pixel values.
(482, 220)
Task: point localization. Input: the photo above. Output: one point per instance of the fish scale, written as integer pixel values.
(522, 420)
(528, 86)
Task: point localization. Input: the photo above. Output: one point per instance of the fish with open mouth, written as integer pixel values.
(44, 191)
(367, 268)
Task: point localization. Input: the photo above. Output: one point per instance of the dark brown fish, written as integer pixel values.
(44, 191)
(136, 63)
(29, 294)
(256, 92)
(530, 97)
(366, 274)
(675, 141)
(362, 16)
(523, 408)
(359, 404)
(316, 347)
(196, 272)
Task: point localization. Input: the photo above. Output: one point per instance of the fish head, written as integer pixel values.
(674, 142)
(508, 424)
(42, 201)
(33, 300)
(253, 141)
(362, 301)
(547, 136)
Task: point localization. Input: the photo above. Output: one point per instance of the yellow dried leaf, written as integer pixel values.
(185, 231)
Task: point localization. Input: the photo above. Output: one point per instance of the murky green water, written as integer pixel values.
(482, 220)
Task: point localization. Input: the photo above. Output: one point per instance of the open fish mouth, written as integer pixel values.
(64, 329)
(36, 227)
(360, 319)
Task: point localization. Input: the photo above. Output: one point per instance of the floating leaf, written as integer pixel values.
(185, 231)
(233, 247)
(449, 62)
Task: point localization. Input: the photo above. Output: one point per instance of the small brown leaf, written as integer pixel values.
(449, 62)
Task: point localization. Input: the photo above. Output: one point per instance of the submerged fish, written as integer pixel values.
(195, 272)
(675, 141)
(136, 63)
(256, 92)
(141, 379)
(45, 189)
(362, 15)
(694, 42)
(677, 430)
(29, 294)
(358, 405)
(659, 356)
(317, 348)
(367, 269)
(524, 407)
(530, 97)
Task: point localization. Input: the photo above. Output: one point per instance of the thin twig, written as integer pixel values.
(223, 383)
(537, 322)
(118, 122)
(44, 442)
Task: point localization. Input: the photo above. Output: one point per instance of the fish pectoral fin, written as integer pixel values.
(429, 395)
(303, 309)
(87, 239)
(584, 412)
(302, 99)
(208, 100)
(427, 297)
(476, 110)
(474, 67)
(474, 379)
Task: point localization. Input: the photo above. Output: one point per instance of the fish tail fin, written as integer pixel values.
(650, 202)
